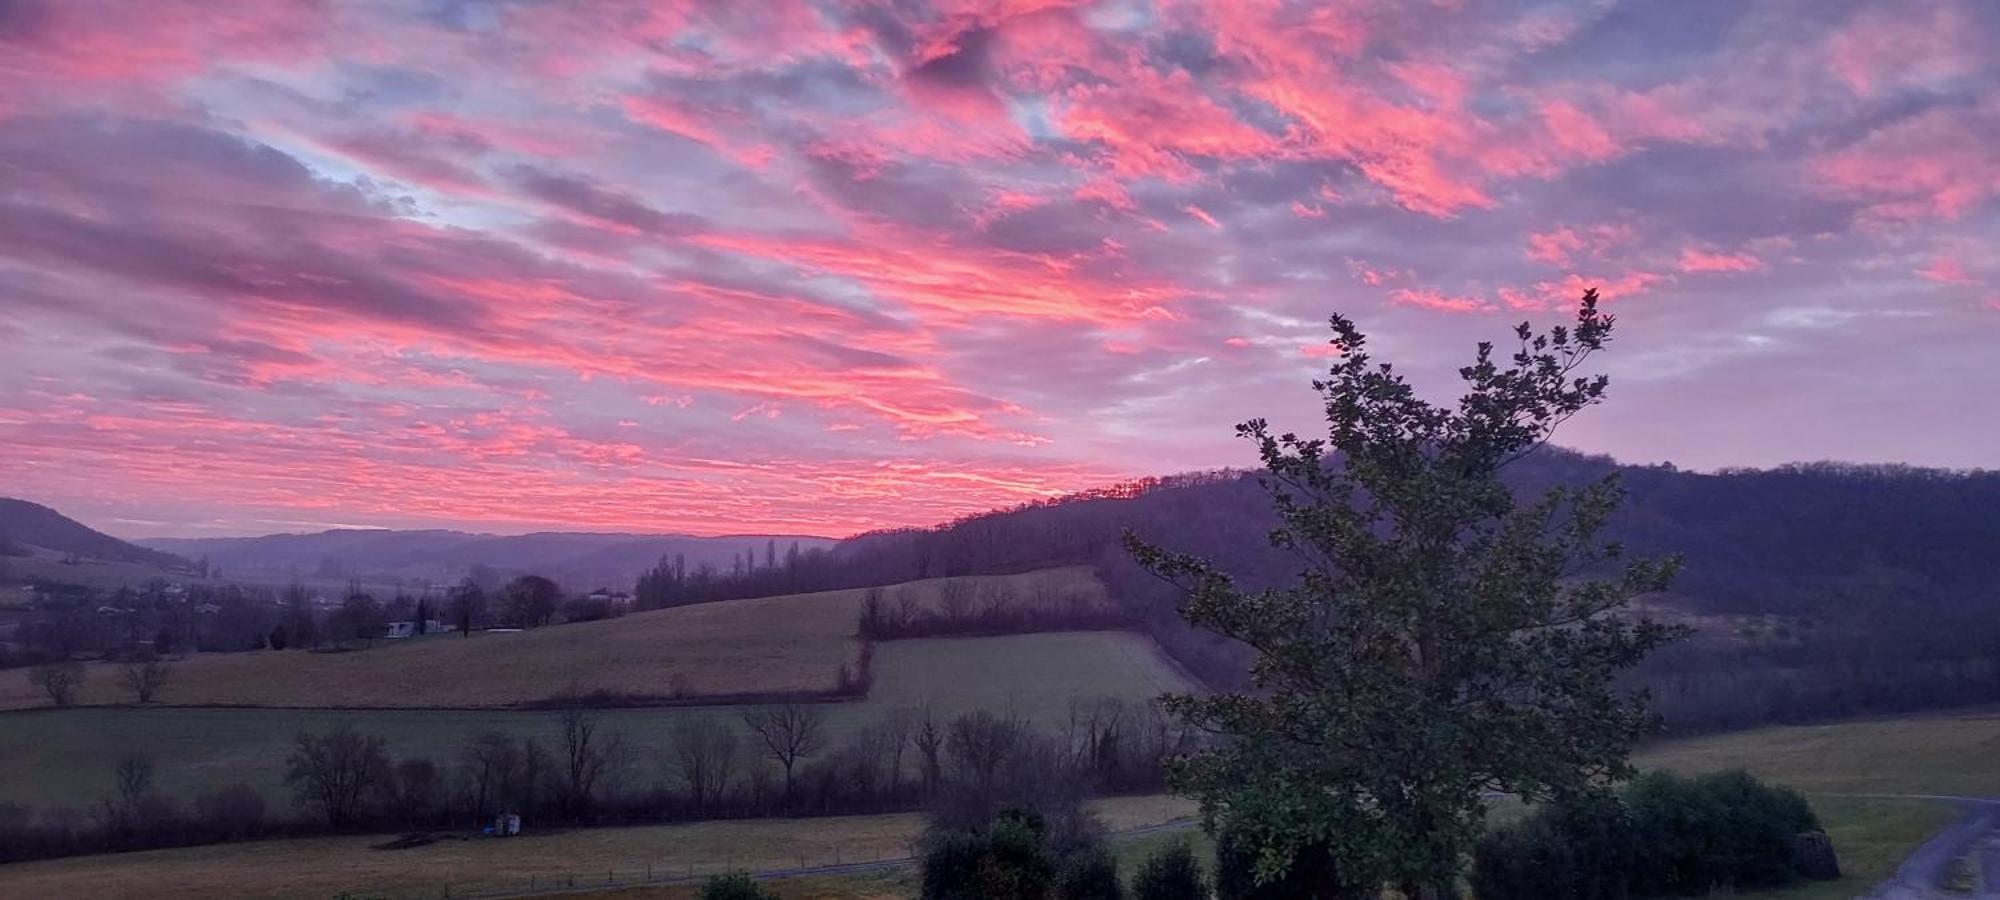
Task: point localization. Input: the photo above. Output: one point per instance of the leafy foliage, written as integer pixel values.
(1170, 873)
(1091, 875)
(735, 886)
(1442, 640)
(1666, 836)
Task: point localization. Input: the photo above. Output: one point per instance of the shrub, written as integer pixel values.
(1311, 876)
(1007, 860)
(735, 886)
(1170, 873)
(1577, 851)
(1665, 836)
(1091, 875)
(59, 680)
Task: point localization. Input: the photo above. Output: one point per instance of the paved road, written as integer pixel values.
(1922, 875)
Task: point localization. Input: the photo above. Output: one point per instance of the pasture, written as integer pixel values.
(325, 866)
(73, 751)
(1940, 753)
(787, 644)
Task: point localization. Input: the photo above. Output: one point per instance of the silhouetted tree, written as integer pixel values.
(532, 600)
(467, 604)
(336, 772)
(789, 732)
(1440, 641)
(145, 675)
(59, 680)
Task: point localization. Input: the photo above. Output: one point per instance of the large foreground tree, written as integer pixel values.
(1443, 640)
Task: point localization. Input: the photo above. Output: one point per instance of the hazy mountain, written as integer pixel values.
(577, 559)
(26, 528)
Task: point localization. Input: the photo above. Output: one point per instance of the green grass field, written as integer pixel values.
(71, 752)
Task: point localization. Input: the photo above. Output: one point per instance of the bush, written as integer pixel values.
(735, 886)
(59, 680)
(1665, 836)
(1577, 851)
(1170, 873)
(1092, 875)
(1007, 860)
(1311, 876)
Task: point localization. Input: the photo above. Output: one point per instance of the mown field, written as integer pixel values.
(793, 643)
(71, 752)
(327, 866)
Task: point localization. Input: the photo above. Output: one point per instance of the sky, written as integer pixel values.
(823, 267)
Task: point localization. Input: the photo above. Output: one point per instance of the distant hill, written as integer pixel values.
(31, 529)
(577, 559)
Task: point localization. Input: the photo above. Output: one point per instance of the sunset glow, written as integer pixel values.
(823, 267)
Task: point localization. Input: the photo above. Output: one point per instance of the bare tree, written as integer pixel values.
(336, 771)
(133, 782)
(589, 757)
(133, 777)
(466, 605)
(489, 760)
(146, 676)
(59, 680)
(955, 596)
(928, 738)
(703, 754)
(897, 730)
(979, 744)
(789, 733)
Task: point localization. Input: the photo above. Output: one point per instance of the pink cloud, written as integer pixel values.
(1560, 246)
(1202, 215)
(1694, 259)
(1947, 270)
(1429, 299)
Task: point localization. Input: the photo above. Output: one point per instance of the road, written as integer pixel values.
(1922, 876)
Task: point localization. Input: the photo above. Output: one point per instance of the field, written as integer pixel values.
(72, 751)
(794, 643)
(1955, 754)
(1835, 764)
(324, 866)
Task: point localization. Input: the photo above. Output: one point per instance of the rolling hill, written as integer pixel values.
(769, 646)
(580, 560)
(31, 529)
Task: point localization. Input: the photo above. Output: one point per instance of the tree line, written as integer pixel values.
(772, 760)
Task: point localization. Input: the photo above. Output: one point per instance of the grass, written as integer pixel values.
(324, 866)
(72, 751)
(793, 643)
(1871, 837)
(1953, 754)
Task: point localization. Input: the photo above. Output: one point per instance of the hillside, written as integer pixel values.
(31, 529)
(1822, 590)
(795, 644)
(581, 560)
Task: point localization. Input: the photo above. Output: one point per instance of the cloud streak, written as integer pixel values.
(831, 266)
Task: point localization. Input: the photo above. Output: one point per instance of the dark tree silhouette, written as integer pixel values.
(1438, 642)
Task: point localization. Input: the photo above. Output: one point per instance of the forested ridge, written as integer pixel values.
(1817, 589)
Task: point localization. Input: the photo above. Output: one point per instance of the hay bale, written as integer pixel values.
(1812, 852)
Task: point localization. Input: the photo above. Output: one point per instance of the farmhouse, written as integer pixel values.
(409, 629)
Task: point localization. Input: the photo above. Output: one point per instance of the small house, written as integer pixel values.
(409, 629)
